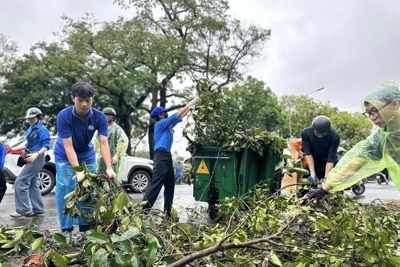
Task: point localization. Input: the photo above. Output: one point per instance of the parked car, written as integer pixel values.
(136, 172)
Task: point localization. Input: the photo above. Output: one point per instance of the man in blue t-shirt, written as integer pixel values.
(179, 172)
(163, 171)
(76, 126)
(320, 142)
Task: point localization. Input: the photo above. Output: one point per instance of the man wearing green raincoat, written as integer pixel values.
(379, 151)
(117, 141)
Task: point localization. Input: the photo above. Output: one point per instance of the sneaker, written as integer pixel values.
(23, 214)
(68, 236)
(38, 212)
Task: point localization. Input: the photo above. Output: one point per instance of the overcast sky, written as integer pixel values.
(347, 47)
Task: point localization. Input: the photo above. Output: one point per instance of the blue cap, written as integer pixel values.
(157, 111)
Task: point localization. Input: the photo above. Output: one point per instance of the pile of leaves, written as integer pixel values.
(255, 229)
(209, 127)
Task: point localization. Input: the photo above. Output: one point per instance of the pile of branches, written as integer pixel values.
(255, 229)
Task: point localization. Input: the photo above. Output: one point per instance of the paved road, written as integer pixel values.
(183, 198)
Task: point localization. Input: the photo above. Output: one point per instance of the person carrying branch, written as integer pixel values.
(163, 171)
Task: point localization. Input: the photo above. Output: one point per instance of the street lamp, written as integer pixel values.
(290, 111)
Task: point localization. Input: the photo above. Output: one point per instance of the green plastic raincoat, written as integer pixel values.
(380, 150)
(117, 141)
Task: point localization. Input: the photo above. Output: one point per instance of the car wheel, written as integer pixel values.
(46, 181)
(139, 181)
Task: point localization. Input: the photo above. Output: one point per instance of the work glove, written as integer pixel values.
(31, 157)
(80, 176)
(8, 150)
(316, 195)
(110, 173)
(115, 160)
(313, 180)
(194, 101)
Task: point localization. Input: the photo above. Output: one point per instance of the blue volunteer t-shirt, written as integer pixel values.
(2, 155)
(40, 139)
(70, 125)
(164, 132)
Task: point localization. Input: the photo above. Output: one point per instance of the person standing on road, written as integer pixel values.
(163, 172)
(117, 141)
(320, 142)
(179, 172)
(380, 150)
(28, 198)
(76, 126)
(3, 183)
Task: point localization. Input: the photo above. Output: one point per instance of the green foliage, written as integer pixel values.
(142, 154)
(301, 110)
(255, 228)
(252, 105)
(352, 127)
(211, 128)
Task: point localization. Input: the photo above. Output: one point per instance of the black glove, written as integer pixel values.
(317, 194)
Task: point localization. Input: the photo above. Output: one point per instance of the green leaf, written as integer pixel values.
(135, 261)
(59, 238)
(125, 223)
(119, 203)
(119, 261)
(97, 238)
(78, 168)
(37, 244)
(138, 222)
(129, 234)
(279, 165)
(99, 259)
(275, 259)
(115, 238)
(152, 250)
(394, 260)
(58, 259)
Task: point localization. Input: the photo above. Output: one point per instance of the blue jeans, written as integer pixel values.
(27, 191)
(64, 185)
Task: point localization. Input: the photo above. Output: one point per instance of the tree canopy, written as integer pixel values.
(134, 64)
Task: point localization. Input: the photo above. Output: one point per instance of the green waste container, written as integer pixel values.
(222, 172)
(230, 173)
(217, 169)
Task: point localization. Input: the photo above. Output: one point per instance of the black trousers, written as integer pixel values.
(3, 185)
(163, 175)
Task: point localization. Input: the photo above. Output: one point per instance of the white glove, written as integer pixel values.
(115, 160)
(80, 176)
(32, 157)
(110, 173)
(194, 101)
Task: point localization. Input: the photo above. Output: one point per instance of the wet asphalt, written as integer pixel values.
(183, 200)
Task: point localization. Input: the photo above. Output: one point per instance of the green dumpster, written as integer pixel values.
(222, 172)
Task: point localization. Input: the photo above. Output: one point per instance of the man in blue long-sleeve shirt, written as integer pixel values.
(163, 172)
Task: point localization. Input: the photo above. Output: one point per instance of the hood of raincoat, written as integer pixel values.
(386, 100)
(380, 150)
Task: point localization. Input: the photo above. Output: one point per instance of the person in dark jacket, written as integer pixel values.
(320, 142)
(163, 171)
